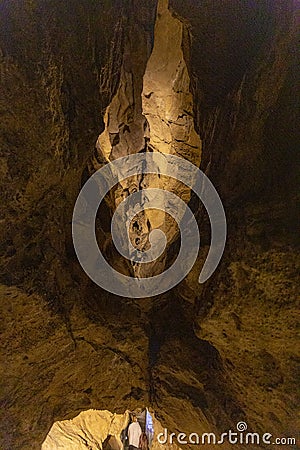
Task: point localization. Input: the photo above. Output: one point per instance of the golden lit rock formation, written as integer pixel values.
(83, 83)
(152, 110)
(97, 430)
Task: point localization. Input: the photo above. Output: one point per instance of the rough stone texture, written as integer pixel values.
(202, 357)
(152, 110)
(97, 430)
(225, 38)
(249, 310)
(90, 429)
(167, 100)
(54, 371)
(56, 76)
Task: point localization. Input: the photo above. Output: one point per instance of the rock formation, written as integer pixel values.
(83, 83)
(99, 430)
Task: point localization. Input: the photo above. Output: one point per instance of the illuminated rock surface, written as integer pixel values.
(98, 430)
(202, 357)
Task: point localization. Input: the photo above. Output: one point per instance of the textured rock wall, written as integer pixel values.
(167, 100)
(97, 430)
(90, 429)
(248, 310)
(51, 371)
(152, 110)
(59, 69)
(198, 355)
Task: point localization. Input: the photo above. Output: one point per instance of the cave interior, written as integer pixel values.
(84, 83)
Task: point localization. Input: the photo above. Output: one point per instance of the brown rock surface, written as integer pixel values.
(203, 357)
(97, 430)
(90, 429)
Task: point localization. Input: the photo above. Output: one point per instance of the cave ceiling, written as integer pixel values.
(84, 83)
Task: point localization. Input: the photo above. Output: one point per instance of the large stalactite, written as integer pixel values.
(152, 110)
